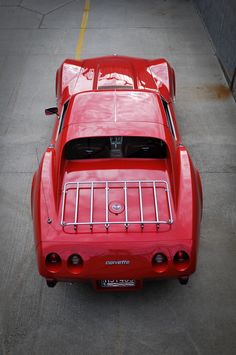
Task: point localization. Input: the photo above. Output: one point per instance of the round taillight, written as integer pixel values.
(160, 263)
(53, 259)
(181, 257)
(75, 260)
(53, 262)
(181, 260)
(75, 264)
(160, 258)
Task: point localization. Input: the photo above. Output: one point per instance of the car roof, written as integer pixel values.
(115, 106)
(112, 113)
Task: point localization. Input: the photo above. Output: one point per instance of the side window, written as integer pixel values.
(169, 118)
(62, 118)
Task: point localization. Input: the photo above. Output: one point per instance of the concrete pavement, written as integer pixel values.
(164, 318)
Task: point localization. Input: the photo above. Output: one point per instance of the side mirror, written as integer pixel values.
(51, 111)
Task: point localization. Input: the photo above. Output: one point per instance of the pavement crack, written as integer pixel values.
(59, 7)
(31, 10)
(41, 22)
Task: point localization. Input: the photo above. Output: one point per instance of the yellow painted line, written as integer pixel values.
(83, 28)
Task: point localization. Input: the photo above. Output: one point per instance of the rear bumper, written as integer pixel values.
(124, 261)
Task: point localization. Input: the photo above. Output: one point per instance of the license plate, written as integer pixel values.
(117, 283)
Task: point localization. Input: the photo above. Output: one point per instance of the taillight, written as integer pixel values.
(75, 263)
(160, 258)
(181, 257)
(75, 260)
(53, 262)
(181, 260)
(53, 259)
(160, 262)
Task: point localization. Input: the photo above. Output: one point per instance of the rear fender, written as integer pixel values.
(43, 196)
(189, 205)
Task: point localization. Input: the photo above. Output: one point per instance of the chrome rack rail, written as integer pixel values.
(124, 185)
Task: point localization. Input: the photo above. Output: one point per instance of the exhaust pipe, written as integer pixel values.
(183, 280)
(51, 283)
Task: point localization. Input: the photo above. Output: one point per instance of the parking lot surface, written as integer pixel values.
(165, 317)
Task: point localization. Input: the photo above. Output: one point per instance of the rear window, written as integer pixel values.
(115, 147)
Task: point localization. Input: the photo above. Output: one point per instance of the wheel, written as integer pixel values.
(183, 280)
(51, 283)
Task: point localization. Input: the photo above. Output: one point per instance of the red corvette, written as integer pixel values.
(116, 198)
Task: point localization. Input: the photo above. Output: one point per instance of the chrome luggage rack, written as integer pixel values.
(106, 186)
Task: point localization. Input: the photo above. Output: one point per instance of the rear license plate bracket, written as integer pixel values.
(117, 283)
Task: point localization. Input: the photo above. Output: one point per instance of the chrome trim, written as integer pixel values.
(155, 200)
(140, 202)
(171, 121)
(126, 205)
(91, 207)
(61, 117)
(107, 201)
(76, 204)
(124, 185)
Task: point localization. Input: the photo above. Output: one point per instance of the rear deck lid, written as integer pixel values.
(111, 203)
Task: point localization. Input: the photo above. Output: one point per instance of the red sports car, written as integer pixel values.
(116, 198)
